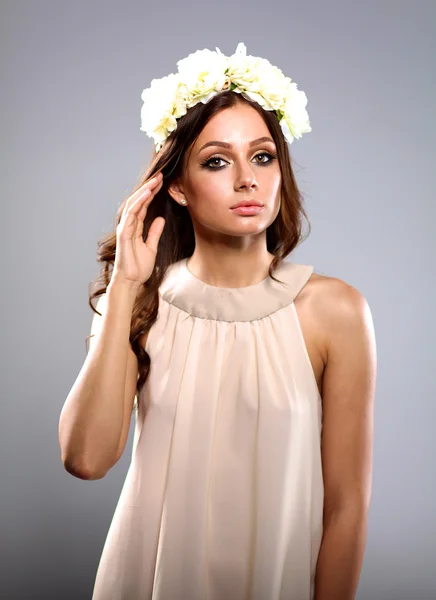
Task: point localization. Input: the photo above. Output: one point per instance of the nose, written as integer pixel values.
(246, 179)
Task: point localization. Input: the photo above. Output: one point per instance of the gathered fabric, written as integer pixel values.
(223, 499)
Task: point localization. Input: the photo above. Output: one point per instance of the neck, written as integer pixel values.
(230, 268)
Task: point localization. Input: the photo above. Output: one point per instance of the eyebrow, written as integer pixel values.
(227, 145)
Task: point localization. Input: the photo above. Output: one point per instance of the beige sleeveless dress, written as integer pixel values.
(223, 499)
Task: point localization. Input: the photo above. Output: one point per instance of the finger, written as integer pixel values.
(140, 219)
(151, 184)
(139, 209)
(154, 233)
(148, 192)
(143, 201)
(141, 215)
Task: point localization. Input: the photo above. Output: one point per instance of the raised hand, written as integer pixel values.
(134, 258)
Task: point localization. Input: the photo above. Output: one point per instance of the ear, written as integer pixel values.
(176, 191)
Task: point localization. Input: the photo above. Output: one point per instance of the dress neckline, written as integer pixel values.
(184, 290)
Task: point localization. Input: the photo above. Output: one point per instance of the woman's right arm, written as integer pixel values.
(95, 419)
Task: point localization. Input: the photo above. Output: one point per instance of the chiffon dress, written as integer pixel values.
(223, 498)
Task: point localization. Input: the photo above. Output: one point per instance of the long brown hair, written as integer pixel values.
(177, 240)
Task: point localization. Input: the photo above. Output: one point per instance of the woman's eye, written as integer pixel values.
(211, 163)
(212, 160)
(263, 154)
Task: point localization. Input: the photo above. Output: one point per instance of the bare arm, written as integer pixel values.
(347, 442)
(95, 419)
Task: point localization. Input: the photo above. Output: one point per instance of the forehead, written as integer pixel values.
(237, 125)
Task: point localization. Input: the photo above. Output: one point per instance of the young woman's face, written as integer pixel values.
(216, 177)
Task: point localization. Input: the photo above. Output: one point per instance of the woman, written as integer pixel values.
(238, 362)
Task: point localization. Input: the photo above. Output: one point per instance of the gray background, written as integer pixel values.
(72, 75)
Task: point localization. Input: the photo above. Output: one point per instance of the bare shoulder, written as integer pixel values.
(326, 294)
(337, 306)
(333, 293)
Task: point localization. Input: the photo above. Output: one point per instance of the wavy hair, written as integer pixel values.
(177, 240)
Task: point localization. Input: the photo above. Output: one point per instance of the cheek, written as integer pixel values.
(275, 179)
(276, 185)
(218, 188)
(210, 187)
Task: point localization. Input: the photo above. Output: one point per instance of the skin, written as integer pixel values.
(335, 319)
(230, 248)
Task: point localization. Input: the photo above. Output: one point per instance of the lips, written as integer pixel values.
(247, 203)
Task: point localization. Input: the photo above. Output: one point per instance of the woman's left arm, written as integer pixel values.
(348, 393)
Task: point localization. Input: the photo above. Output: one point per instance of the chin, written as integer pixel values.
(250, 227)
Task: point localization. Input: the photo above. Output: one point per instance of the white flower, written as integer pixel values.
(295, 113)
(203, 73)
(259, 79)
(161, 107)
(242, 69)
(272, 84)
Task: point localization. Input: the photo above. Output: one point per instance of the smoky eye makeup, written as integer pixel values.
(210, 163)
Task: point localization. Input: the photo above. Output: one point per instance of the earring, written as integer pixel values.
(183, 201)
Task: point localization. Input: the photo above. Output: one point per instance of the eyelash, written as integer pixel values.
(206, 164)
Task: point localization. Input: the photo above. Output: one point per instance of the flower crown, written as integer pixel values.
(204, 74)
